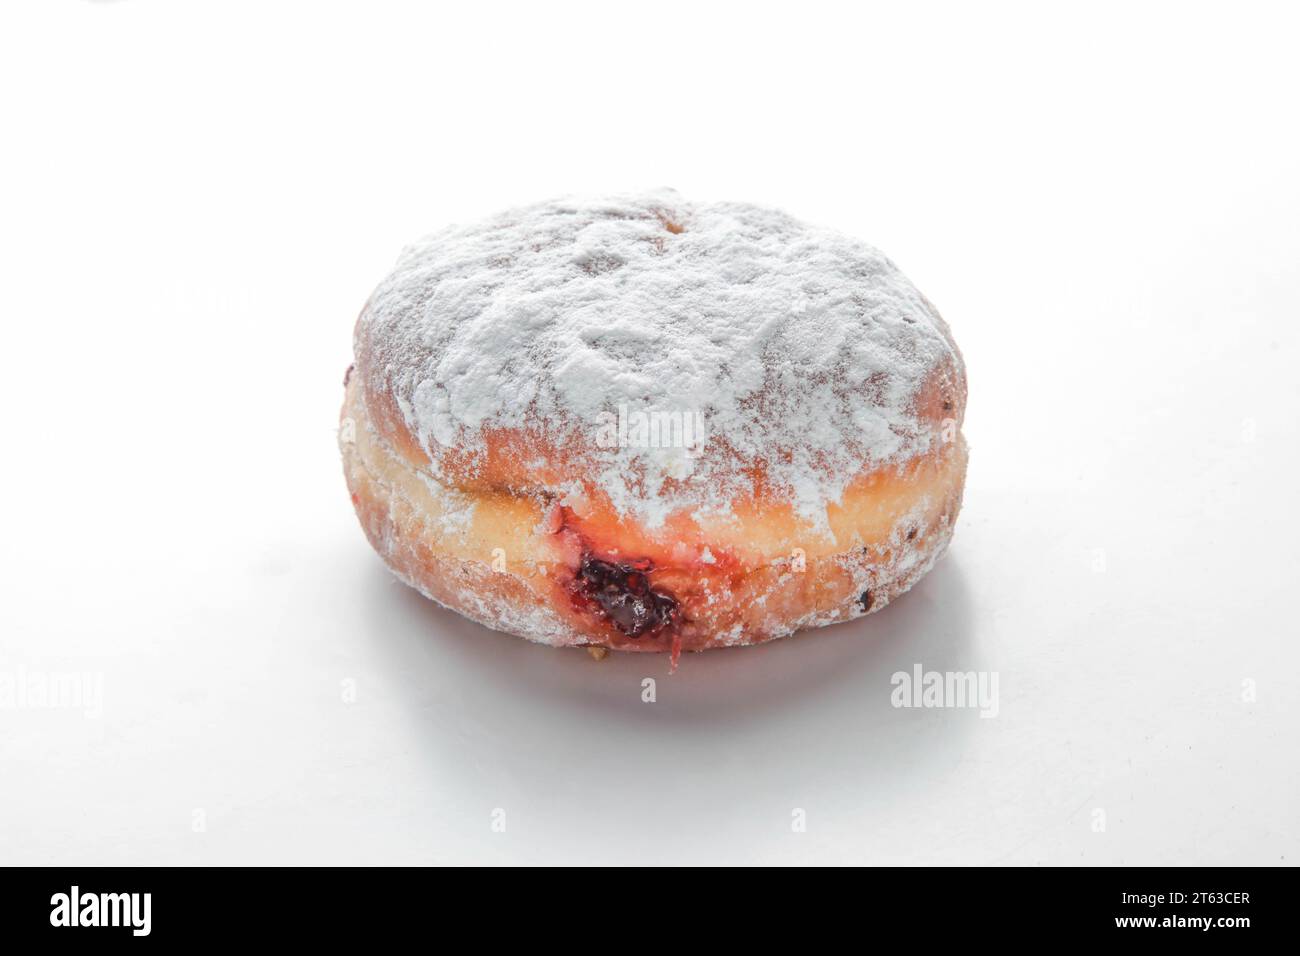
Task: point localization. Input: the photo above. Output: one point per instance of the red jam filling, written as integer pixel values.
(623, 593)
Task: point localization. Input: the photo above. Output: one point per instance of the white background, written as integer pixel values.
(195, 201)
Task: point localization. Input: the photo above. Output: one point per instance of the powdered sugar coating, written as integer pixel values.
(801, 350)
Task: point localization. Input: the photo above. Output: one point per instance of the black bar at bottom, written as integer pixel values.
(337, 907)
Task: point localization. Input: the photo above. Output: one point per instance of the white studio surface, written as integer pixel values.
(195, 201)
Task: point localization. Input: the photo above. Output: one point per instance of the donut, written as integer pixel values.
(648, 424)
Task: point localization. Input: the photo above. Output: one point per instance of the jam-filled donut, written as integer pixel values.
(649, 424)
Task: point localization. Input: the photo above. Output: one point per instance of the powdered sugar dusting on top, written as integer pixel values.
(800, 349)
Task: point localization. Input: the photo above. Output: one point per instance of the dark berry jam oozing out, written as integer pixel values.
(623, 592)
